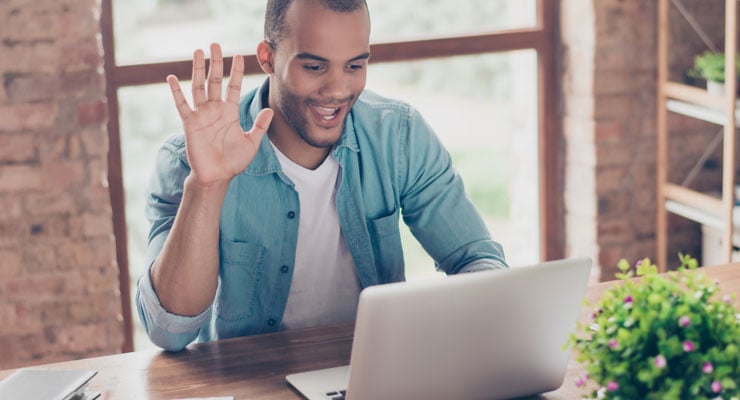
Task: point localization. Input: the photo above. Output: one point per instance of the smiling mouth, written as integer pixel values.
(327, 113)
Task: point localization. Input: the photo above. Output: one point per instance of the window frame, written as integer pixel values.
(541, 37)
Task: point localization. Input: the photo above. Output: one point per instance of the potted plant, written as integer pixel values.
(711, 67)
(660, 337)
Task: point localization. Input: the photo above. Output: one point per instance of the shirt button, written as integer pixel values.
(291, 214)
(284, 269)
(271, 322)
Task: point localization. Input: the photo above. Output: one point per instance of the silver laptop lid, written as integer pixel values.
(484, 335)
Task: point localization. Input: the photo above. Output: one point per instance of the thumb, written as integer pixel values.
(261, 124)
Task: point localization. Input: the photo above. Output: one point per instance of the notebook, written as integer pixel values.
(482, 335)
(47, 384)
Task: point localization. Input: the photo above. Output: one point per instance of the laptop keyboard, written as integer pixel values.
(336, 395)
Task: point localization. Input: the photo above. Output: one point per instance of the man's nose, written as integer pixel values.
(337, 86)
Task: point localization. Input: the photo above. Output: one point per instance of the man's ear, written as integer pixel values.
(264, 56)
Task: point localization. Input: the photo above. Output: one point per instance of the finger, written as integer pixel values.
(182, 105)
(199, 77)
(235, 81)
(261, 124)
(215, 73)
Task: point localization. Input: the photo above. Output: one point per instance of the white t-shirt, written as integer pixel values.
(325, 288)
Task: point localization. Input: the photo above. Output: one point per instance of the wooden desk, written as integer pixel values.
(255, 367)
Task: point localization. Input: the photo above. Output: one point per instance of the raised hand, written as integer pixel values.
(217, 147)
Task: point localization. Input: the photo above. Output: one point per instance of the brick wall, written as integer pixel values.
(609, 77)
(59, 295)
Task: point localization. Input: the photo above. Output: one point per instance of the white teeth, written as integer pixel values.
(327, 113)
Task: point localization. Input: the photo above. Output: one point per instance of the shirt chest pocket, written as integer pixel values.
(386, 240)
(241, 273)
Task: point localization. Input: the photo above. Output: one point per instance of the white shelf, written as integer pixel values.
(701, 112)
(701, 216)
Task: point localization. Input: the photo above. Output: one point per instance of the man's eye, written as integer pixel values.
(355, 67)
(314, 68)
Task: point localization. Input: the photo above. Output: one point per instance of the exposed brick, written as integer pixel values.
(15, 178)
(615, 204)
(17, 148)
(83, 55)
(12, 233)
(610, 179)
(27, 117)
(100, 280)
(614, 154)
(90, 309)
(39, 259)
(10, 265)
(57, 202)
(614, 230)
(7, 317)
(35, 57)
(82, 255)
(620, 82)
(85, 84)
(49, 227)
(81, 338)
(94, 142)
(92, 112)
(52, 187)
(639, 57)
(643, 225)
(47, 21)
(609, 131)
(36, 288)
(615, 106)
(33, 87)
(63, 175)
(96, 225)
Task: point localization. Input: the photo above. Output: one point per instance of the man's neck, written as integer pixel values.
(289, 143)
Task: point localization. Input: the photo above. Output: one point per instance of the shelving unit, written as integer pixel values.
(709, 210)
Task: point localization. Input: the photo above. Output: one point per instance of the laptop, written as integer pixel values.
(483, 335)
(48, 384)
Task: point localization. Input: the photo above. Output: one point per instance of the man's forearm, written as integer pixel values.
(185, 275)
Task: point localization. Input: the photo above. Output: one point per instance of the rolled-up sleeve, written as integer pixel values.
(170, 331)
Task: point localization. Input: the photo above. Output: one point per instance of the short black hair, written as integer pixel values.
(276, 10)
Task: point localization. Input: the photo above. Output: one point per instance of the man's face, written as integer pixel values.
(320, 67)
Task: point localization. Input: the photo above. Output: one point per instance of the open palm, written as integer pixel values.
(217, 147)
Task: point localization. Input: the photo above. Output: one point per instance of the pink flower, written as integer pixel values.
(613, 344)
(628, 299)
(727, 299)
(660, 361)
(581, 381)
(688, 346)
(684, 321)
(707, 368)
(613, 386)
(716, 387)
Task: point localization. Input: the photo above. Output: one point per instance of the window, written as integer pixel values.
(483, 79)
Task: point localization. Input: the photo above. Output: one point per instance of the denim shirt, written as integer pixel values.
(391, 165)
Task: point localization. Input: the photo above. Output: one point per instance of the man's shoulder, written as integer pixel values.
(375, 104)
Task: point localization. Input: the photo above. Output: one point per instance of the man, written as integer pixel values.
(254, 233)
